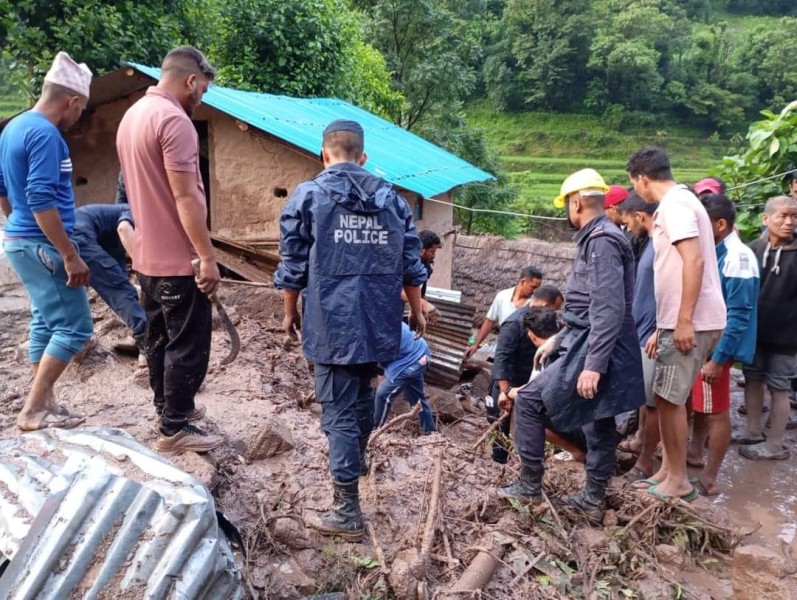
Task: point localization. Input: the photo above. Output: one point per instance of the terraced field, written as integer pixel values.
(538, 150)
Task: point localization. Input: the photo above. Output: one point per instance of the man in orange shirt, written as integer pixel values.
(159, 151)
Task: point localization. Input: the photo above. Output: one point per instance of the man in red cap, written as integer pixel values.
(709, 185)
(616, 195)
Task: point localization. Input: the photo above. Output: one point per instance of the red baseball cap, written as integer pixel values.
(709, 184)
(615, 195)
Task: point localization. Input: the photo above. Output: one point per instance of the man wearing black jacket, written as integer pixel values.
(514, 355)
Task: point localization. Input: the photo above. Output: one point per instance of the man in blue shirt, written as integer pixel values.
(405, 375)
(638, 219)
(37, 198)
(102, 233)
(347, 240)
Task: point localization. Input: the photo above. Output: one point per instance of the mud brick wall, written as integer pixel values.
(484, 265)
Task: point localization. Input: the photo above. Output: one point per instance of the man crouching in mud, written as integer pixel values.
(597, 371)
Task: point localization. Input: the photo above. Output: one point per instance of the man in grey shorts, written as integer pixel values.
(690, 310)
(776, 343)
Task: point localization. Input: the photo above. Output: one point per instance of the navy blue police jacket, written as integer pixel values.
(347, 239)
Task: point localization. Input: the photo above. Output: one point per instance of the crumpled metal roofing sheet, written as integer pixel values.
(394, 154)
(90, 513)
(448, 339)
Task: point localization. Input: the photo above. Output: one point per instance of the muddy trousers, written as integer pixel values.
(531, 420)
(347, 414)
(177, 343)
(109, 278)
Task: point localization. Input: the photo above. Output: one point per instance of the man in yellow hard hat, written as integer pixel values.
(595, 369)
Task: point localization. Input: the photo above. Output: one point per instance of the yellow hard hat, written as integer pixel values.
(585, 179)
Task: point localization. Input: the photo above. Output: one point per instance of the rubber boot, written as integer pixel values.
(529, 487)
(591, 500)
(344, 519)
(365, 461)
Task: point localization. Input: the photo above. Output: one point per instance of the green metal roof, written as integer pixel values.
(394, 154)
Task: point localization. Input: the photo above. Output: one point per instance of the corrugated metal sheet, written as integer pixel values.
(448, 339)
(91, 513)
(393, 153)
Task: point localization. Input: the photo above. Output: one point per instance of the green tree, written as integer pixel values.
(539, 55)
(768, 55)
(429, 53)
(101, 33)
(300, 48)
(771, 150)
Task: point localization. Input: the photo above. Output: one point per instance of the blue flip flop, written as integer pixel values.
(688, 497)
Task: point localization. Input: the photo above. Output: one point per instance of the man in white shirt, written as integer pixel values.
(506, 302)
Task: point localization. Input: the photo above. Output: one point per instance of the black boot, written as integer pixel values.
(591, 500)
(344, 518)
(365, 461)
(528, 487)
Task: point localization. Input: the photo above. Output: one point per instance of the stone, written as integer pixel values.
(271, 438)
(289, 572)
(653, 588)
(295, 535)
(759, 573)
(671, 556)
(401, 577)
(445, 404)
(198, 466)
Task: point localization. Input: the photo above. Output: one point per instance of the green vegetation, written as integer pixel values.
(526, 89)
(538, 150)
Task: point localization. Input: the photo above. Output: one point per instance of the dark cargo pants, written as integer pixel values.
(347, 414)
(531, 420)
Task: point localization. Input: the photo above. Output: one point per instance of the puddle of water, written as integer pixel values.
(760, 492)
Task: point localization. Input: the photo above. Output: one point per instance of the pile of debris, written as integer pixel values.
(435, 527)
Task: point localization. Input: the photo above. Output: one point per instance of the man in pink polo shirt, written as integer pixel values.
(159, 151)
(690, 309)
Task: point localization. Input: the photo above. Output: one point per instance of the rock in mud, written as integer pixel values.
(288, 572)
(198, 466)
(762, 574)
(445, 404)
(272, 437)
(402, 578)
(653, 588)
(671, 556)
(295, 535)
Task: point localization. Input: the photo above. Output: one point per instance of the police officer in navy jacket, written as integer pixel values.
(348, 242)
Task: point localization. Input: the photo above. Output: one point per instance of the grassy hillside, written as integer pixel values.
(538, 150)
(11, 104)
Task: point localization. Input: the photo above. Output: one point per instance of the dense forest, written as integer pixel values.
(710, 65)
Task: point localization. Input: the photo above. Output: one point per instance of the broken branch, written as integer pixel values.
(380, 554)
(431, 515)
(490, 429)
(394, 422)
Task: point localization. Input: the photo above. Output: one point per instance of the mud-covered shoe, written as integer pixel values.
(187, 439)
(344, 519)
(528, 487)
(591, 501)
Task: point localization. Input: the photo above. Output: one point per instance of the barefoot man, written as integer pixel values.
(36, 197)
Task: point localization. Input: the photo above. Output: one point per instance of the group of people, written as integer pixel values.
(663, 298)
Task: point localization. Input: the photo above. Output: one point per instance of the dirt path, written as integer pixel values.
(255, 403)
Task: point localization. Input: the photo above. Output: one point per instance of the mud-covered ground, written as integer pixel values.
(260, 404)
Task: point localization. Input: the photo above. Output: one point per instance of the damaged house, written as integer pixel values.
(255, 149)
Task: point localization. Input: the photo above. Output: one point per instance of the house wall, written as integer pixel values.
(251, 177)
(92, 147)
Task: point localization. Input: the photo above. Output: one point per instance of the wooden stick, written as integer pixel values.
(248, 283)
(380, 554)
(490, 429)
(394, 422)
(526, 570)
(432, 512)
(562, 531)
(641, 515)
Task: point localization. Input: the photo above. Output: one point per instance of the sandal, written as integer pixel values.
(688, 497)
(635, 474)
(703, 490)
(53, 420)
(762, 452)
(644, 484)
